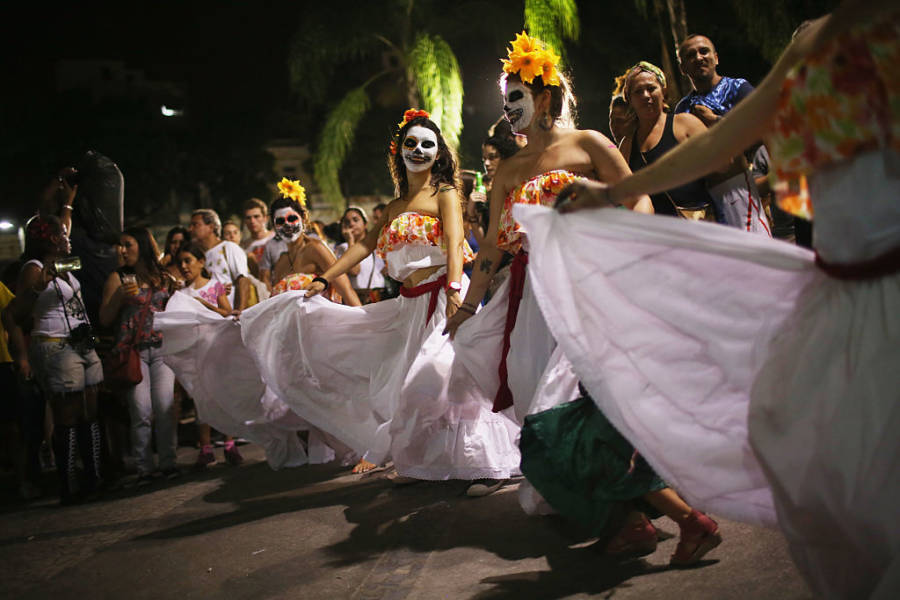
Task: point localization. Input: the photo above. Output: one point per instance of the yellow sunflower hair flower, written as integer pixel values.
(292, 189)
(529, 58)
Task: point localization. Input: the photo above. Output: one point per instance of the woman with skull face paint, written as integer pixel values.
(305, 257)
(533, 376)
(353, 361)
(506, 352)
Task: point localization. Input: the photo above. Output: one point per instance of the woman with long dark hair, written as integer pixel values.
(175, 238)
(131, 296)
(343, 368)
(61, 354)
(366, 277)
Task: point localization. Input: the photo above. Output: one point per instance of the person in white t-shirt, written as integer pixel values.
(256, 218)
(225, 261)
(367, 277)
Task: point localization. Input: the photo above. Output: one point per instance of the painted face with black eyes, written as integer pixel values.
(419, 149)
(518, 106)
(288, 224)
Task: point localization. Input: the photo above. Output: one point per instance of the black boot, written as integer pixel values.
(89, 447)
(64, 443)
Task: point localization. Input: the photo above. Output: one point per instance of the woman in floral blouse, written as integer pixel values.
(131, 295)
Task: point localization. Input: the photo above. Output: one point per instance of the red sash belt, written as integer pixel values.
(880, 266)
(504, 397)
(432, 287)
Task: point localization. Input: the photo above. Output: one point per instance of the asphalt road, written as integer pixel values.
(320, 532)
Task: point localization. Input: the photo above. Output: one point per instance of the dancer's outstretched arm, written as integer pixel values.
(354, 255)
(488, 260)
(324, 261)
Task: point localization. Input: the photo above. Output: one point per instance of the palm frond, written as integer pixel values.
(768, 25)
(315, 53)
(334, 143)
(452, 90)
(422, 62)
(553, 21)
(436, 74)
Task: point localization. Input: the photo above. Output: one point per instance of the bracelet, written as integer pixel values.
(466, 308)
(69, 206)
(321, 280)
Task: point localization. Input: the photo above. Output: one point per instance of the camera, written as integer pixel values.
(82, 338)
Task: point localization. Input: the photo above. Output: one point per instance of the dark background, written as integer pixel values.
(228, 62)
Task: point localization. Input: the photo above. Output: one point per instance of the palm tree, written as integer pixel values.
(551, 21)
(379, 35)
(671, 25)
(388, 45)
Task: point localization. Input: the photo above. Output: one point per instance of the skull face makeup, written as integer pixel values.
(419, 149)
(518, 105)
(288, 224)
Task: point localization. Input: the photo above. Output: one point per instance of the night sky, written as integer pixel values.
(231, 59)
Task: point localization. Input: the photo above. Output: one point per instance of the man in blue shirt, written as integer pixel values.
(713, 95)
(733, 191)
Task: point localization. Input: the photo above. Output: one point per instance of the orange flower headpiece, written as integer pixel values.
(291, 188)
(408, 116)
(529, 58)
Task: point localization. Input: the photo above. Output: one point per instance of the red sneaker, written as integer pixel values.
(699, 535)
(232, 456)
(633, 540)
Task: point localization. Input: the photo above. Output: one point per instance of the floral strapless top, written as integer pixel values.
(414, 241)
(294, 281)
(541, 189)
(841, 101)
(415, 229)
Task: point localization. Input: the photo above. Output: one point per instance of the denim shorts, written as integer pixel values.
(58, 367)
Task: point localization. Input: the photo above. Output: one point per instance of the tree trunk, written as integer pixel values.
(678, 26)
(673, 87)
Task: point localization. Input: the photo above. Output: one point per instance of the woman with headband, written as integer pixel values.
(342, 368)
(656, 131)
(506, 351)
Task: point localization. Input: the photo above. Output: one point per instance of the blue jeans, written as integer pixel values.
(153, 399)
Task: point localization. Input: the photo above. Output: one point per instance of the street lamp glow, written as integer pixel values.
(170, 112)
(6, 225)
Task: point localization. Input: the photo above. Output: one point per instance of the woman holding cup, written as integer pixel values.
(131, 295)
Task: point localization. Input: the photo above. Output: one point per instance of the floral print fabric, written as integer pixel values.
(414, 229)
(542, 189)
(133, 312)
(294, 281)
(839, 102)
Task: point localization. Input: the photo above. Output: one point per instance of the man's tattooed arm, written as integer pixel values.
(485, 266)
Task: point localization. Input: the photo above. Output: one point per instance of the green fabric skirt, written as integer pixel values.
(583, 466)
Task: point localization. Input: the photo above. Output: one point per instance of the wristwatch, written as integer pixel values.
(454, 286)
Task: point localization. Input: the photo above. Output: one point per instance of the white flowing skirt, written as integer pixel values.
(683, 330)
(539, 375)
(205, 351)
(343, 369)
